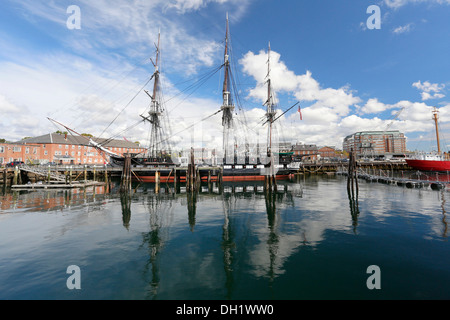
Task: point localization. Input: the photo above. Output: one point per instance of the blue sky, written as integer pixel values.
(347, 77)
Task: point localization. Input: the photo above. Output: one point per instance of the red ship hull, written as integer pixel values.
(429, 165)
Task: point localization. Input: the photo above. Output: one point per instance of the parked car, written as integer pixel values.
(14, 163)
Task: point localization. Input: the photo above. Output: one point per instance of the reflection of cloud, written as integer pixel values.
(298, 228)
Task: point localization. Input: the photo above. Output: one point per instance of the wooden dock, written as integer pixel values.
(56, 186)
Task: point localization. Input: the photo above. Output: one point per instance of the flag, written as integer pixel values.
(300, 111)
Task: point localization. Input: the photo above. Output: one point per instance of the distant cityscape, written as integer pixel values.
(60, 148)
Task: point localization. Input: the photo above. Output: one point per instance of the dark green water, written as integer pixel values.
(302, 243)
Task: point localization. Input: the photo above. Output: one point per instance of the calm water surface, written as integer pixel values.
(305, 242)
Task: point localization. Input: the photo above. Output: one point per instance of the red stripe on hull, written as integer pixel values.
(429, 165)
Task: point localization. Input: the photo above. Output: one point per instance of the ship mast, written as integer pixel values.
(270, 114)
(155, 112)
(227, 106)
(435, 118)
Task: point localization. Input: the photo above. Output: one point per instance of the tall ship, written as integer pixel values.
(237, 161)
(250, 163)
(436, 161)
(158, 156)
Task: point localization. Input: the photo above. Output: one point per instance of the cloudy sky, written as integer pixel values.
(326, 55)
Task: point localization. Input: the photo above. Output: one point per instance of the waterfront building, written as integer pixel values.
(306, 152)
(328, 152)
(371, 144)
(63, 149)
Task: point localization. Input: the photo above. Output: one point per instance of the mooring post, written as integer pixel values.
(70, 175)
(5, 177)
(16, 175)
(85, 173)
(125, 185)
(106, 174)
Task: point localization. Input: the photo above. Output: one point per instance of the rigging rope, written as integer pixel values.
(127, 105)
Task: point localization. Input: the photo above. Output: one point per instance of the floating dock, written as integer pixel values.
(405, 182)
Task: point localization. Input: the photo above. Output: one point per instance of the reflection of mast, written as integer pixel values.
(227, 247)
(227, 107)
(273, 239)
(154, 241)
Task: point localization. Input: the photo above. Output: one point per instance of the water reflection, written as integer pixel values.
(444, 215)
(223, 234)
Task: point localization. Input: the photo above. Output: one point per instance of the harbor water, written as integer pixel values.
(305, 241)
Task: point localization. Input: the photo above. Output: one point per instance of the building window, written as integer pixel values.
(45, 152)
(2, 150)
(27, 150)
(60, 146)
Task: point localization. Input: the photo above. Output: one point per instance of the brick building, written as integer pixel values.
(63, 149)
(306, 152)
(327, 152)
(375, 143)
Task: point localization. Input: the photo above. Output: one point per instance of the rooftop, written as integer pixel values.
(57, 138)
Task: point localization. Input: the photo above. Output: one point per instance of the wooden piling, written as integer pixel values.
(106, 175)
(5, 178)
(191, 174)
(352, 178)
(125, 185)
(16, 175)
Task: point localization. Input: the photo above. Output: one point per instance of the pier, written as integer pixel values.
(39, 176)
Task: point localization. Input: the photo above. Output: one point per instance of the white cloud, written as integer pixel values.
(329, 112)
(7, 107)
(395, 4)
(131, 30)
(189, 5)
(303, 87)
(403, 29)
(429, 90)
